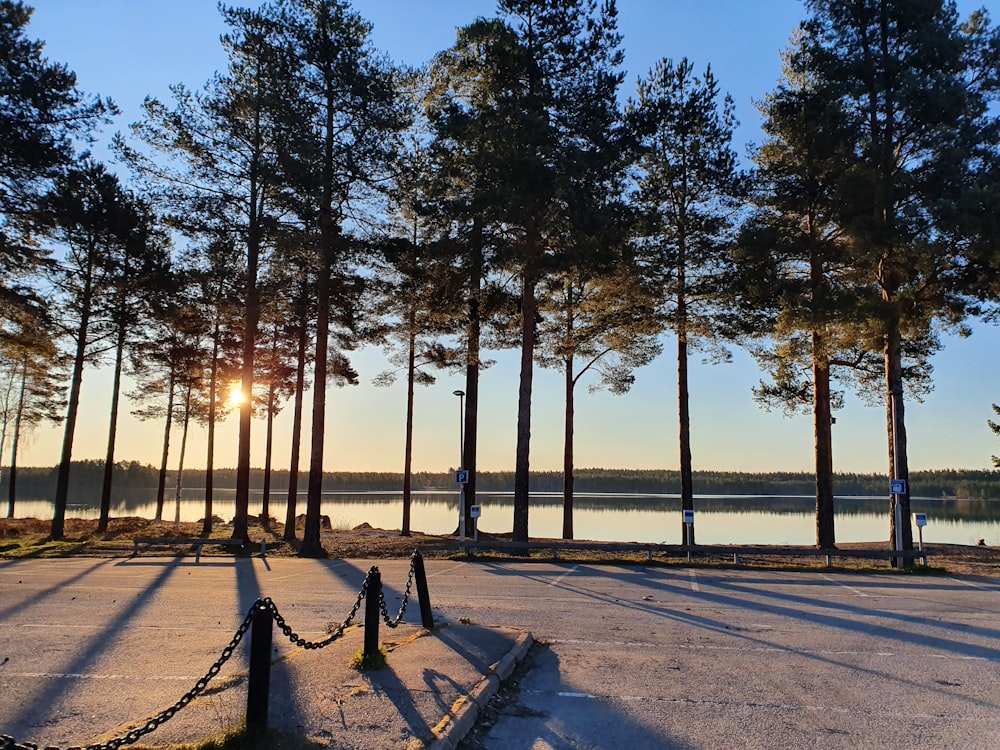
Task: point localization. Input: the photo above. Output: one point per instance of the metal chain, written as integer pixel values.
(9, 743)
(199, 687)
(334, 634)
(394, 622)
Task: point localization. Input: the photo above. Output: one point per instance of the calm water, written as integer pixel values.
(626, 518)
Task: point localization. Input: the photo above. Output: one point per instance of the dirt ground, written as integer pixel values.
(29, 538)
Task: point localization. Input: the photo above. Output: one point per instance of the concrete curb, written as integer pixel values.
(453, 728)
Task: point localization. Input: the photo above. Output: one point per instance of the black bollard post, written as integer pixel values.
(259, 681)
(372, 614)
(426, 617)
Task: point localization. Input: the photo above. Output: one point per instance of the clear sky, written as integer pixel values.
(127, 49)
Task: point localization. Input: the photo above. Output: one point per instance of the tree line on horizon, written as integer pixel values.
(40, 482)
(315, 197)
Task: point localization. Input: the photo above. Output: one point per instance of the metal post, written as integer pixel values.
(461, 516)
(373, 594)
(423, 596)
(461, 428)
(259, 680)
(461, 464)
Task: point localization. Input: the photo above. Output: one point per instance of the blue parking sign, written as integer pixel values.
(897, 486)
(462, 476)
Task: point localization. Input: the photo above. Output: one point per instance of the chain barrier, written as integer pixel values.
(336, 633)
(394, 622)
(9, 743)
(190, 695)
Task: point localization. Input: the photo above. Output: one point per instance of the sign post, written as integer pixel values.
(688, 528)
(474, 512)
(921, 519)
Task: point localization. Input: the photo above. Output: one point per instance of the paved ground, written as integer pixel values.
(632, 657)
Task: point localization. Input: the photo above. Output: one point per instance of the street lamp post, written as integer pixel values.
(461, 463)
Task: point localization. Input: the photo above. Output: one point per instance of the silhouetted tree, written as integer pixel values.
(688, 194)
(913, 85)
(92, 218)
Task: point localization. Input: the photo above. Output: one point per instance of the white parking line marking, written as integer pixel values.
(852, 589)
(446, 570)
(568, 572)
(974, 585)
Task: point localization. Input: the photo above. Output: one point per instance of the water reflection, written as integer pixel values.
(633, 518)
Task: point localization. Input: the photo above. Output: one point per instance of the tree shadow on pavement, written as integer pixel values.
(38, 705)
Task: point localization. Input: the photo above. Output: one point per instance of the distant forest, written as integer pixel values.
(86, 477)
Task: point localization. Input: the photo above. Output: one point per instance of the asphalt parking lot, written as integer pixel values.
(631, 656)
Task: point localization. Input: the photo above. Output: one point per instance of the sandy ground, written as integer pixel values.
(29, 538)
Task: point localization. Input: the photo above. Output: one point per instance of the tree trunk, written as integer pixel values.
(265, 495)
(62, 480)
(472, 363)
(529, 307)
(895, 417)
(213, 384)
(293, 463)
(567, 529)
(684, 416)
(240, 530)
(12, 474)
(823, 433)
(180, 459)
(408, 450)
(250, 320)
(312, 545)
(161, 484)
(109, 461)
(6, 418)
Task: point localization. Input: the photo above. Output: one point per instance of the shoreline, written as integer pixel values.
(28, 538)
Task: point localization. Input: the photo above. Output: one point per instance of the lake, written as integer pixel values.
(736, 519)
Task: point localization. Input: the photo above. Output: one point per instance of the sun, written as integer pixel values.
(235, 396)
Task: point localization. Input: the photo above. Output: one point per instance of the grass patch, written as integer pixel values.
(38, 546)
(369, 663)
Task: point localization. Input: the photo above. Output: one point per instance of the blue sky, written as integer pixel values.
(127, 49)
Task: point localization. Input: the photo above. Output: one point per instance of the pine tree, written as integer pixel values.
(688, 195)
(32, 374)
(413, 316)
(214, 271)
(597, 321)
(344, 137)
(913, 85)
(136, 267)
(219, 175)
(793, 250)
(555, 65)
(92, 218)
(461, 204)
(41, 114)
